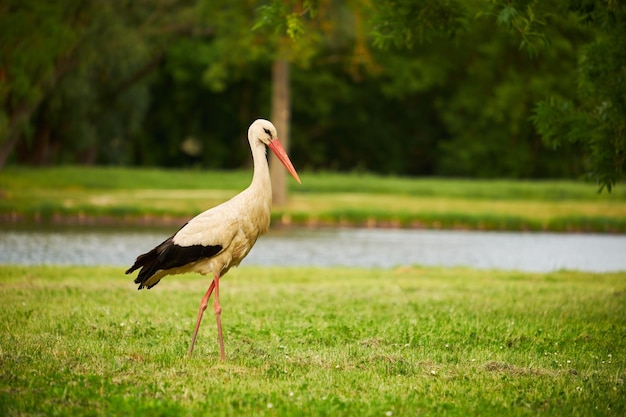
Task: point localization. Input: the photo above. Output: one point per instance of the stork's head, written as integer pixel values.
(264, 131)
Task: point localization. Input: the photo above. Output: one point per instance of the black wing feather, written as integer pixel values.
(169, 255)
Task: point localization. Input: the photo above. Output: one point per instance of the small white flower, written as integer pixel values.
(291, 393)
(389, 413)
(270, 405)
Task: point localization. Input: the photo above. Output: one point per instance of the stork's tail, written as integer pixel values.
(148, 265)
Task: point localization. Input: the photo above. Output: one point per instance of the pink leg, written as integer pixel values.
(203, 305)
(218, 315)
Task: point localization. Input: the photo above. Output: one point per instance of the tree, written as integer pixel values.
(596, 119)
(74, 82)
(431, 102)
(31, 63)
(297, 32)
(281, 110)
(391, 86)
(286, 18)
(491, 89)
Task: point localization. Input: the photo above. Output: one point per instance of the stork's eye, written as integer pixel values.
(267, 131)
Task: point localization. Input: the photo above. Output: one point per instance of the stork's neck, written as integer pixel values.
(261, 177)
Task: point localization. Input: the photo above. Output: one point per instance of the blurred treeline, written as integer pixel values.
(175, 83)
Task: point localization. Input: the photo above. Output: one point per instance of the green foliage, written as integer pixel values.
(480, 91)
(319, 342)
(286, 17)
(406, 22)
(595, 119)
(529, 19)
(589, 116)
(191, 71)
(72, 87)
(597, 122)
(31, 60)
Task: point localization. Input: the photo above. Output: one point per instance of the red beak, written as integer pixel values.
(279, 151)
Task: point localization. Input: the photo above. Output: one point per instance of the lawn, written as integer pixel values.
(124, 195)
(320, 342)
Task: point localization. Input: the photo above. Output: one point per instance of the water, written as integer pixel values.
(536, 252)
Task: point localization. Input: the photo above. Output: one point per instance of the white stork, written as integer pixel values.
(219, 238)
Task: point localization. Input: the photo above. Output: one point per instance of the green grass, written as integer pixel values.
(125, 195)
(117, 178)
(323, 342)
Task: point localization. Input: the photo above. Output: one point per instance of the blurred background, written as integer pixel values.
(474, 88)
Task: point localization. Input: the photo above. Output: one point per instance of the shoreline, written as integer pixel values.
(284, 221)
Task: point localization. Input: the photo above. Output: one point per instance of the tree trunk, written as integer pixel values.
(281, 105)
(14, 136)
(6, 148)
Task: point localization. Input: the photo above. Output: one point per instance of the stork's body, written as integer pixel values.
(220, 238)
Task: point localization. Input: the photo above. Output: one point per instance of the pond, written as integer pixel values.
(381, 248)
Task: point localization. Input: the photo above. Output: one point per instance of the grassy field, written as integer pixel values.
(121, 195)
(322, 342)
